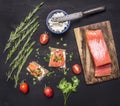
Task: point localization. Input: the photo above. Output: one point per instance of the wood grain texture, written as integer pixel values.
(85, 55)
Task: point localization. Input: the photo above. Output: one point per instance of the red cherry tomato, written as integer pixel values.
(24, 88)
(76, 68)
(44, 38)
(48, 91)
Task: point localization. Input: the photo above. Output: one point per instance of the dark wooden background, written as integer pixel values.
(12, 12)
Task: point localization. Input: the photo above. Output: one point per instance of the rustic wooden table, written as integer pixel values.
(12, 12)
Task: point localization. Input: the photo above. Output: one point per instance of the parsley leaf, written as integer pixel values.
(68, 87)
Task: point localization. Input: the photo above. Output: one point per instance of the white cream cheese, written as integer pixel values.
(57, 26)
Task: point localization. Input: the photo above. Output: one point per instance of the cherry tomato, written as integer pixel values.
(24, 88)
(44, 38)
(76, 68)
(48, 91)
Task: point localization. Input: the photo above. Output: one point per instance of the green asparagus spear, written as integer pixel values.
(24, 46)
(20, 27)
(19, 60)
(25, 28)
(14, 48)
(16, 77)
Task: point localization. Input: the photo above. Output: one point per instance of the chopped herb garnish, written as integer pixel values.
(64, 70)
(56, 59)
(34, 82)
(36, 56)
(49, 47)
(38, 53)
(61, 39)
(27, 73)
(67, 69)
(50, 73)
(47, 57)
(37, 49)
(65, 44)
(66, 53)
(34, 79)
(57, 43)
(70, 56)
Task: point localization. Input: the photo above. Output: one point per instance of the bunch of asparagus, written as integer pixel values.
(21, 37)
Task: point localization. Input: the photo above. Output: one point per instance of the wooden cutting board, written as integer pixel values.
(85, 56)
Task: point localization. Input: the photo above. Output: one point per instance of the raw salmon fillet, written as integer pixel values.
(99, 52)
(103, 70)
(98, 47)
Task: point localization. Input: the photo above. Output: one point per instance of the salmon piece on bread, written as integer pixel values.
(57, 58)
(37, 70)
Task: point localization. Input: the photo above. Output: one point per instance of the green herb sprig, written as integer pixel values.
(16, 77)
(67, 87)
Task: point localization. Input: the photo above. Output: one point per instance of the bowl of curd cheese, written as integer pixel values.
(57, 27)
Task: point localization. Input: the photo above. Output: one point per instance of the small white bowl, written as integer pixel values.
(57, 27)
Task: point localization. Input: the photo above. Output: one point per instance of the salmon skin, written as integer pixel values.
(99, 52)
